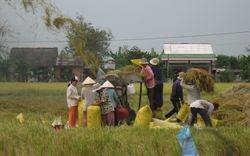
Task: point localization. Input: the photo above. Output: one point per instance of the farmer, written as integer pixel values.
(193, 93)
(72, 101)
(109, 88)
(158, 89)
(149, 81)
(88, 96)
(175, 97)
(102, 99)
(204, 108)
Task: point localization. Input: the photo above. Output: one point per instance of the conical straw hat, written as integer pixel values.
(107, 84)
(88, 80)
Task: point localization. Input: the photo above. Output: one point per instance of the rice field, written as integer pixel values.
(41, 103)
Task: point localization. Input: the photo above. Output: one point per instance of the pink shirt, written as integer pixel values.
(150, 81)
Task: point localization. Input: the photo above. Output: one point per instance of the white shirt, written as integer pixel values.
(204, 105)
(72, 96)
(192, 92)
(88, 96)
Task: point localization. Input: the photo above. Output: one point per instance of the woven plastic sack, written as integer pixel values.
(94, 116)
(80, 113)
(201, 122)
(183, 112)
(143, 116)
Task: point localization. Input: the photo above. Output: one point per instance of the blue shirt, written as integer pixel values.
(157, 73)
(177, 92)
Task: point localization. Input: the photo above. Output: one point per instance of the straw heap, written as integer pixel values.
(234, 105)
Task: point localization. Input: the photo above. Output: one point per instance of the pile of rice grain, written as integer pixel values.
(234, 105)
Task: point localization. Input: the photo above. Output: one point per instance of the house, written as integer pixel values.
(46, 57)
(182, 56)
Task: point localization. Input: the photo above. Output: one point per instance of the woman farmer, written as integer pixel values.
(149, 81)
(72, 101)
(103, 99)
(109, 88)
(88, 96)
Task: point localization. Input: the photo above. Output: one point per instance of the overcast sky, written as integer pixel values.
(146, 24)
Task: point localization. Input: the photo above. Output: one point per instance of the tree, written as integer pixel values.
(66, 74)
(4, 31)
(221, 62)
(226, 76)
(233, 62)
(35, 73)
(5, 67)
(96, 40)
(124, 56)
(79, 38)
(22, 70)
(245, 74)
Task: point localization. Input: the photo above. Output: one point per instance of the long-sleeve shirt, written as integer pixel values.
(72, 96)
(88, 96)
(157, 73)
(113, 97)
(192, 92)
(209, 107)
(150, 82)
(106, 104)
(177, 92)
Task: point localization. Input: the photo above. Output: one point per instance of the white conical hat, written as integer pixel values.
(107, 84)
(88, 80)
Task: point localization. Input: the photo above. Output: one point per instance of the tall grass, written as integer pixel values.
(40, 103)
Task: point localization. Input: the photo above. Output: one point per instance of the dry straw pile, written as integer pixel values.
(201, 78)
(234, 105)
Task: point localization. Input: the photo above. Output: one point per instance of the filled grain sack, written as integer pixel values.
(143, 116)
(201, 122)
(80, 113)
(94, 116)
(183, 112)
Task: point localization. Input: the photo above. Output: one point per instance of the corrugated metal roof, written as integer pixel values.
(188, 48)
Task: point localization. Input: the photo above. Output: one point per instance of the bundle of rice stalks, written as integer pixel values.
(201, 78)
(234, 105)
(131, 69)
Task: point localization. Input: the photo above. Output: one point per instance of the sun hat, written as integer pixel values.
(74, 78)
(107, 84)
(154, 61)
(88, 80)
(96, 87)
(143, 61)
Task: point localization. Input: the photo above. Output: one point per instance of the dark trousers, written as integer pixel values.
(150, 93)
(177, 106)
(203, 114)
(158, 95)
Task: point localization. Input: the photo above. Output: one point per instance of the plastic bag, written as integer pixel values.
(186, 142)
